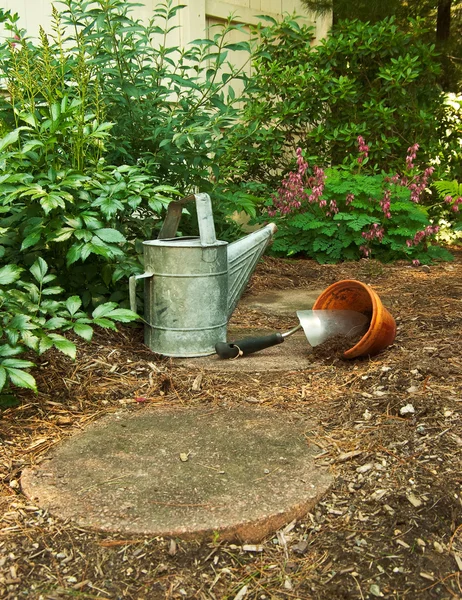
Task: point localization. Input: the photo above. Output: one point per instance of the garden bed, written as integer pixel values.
(388, 428)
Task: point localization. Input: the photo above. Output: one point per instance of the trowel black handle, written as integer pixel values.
(247, 346)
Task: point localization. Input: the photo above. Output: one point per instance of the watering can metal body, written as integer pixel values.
(193, 284)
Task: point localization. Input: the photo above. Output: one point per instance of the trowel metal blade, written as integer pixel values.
(320, 325)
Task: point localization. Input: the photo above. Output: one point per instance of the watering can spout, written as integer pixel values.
(243, 256)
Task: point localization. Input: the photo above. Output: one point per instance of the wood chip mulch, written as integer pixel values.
(388, 427)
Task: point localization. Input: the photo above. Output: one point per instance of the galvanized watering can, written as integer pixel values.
(192, 284)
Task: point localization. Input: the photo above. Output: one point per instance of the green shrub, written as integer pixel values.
(450, 193)
(31, 314)
(343, 214)
(170, 106)
(102, 125)
(369, 80)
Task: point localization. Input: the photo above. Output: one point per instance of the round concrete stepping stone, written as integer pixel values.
(240, 473)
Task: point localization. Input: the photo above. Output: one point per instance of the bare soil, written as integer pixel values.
(388, 428)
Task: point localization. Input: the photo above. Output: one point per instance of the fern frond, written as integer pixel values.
(448, 188)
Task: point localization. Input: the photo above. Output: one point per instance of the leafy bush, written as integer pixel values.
(369, 80)
(450, 154)
(451, 194)
(170, 106)
(30, 316)
(102, 124)
(343, 214)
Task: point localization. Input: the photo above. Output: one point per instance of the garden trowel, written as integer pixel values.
(318, 325)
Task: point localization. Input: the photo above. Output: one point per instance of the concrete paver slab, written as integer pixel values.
(282, 302)
(242, 472)
(294, 354)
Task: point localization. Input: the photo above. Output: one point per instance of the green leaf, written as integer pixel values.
(30, 240)
(110, 235)
(8, 401)
(106, 323)
(50, 291)
(103, 309)
(21, 322)
(45, 344)
(51, 201)
(9, 274)
(10, 138)
(73, 303)
(2, 377)
(63, 345)
(17, 363)
(123, 315)
(22, 379)
(73, 254)
(85, 331)
(7, 350)
(39, 269)
(55, 323)
(62, 234)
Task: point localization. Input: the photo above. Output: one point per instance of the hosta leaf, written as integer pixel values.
(9, 274)
(22, 379)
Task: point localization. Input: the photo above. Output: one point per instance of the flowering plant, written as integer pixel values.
(341, 213)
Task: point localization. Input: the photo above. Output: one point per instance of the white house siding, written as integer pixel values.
(194, 20)
(199, 18)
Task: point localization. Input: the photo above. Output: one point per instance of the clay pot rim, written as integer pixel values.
(356, 351)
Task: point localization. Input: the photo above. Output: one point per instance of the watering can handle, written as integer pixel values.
(132, 288)
(204, 217)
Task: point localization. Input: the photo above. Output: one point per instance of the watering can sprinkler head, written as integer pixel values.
(193, 284)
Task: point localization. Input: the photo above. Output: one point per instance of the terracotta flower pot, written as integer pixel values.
(350, 294)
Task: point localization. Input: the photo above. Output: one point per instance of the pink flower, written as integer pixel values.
(363, 149)
(411, 154)
(429, 231)
(385, 203)
(375, 232)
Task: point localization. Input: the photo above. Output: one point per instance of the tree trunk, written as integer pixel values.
(443, 21)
